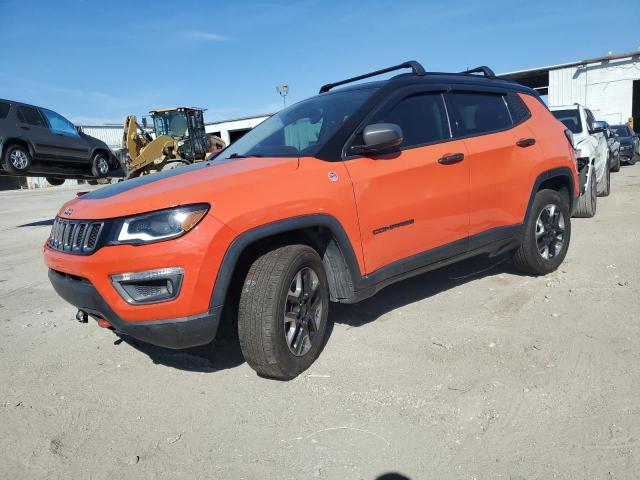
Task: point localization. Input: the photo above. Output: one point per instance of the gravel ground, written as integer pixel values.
(469, 372)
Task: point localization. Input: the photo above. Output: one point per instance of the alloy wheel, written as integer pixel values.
(302, 311)
(19, 159)
(550, 231)
(103, 165)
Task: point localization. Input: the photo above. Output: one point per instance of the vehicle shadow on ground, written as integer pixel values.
(419, 288)
(225, 351)
(39, 223)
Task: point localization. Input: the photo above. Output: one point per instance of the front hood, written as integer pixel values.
(96, 142)
(203, 182)
(625, 140)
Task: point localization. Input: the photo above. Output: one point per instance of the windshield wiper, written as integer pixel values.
(235, 155)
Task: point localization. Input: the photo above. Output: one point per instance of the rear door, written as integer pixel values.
(69, 144)
(409, 202)
(501, 152)
(33, 127)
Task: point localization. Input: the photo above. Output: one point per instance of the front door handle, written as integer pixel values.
(526, 142)
(451, 159)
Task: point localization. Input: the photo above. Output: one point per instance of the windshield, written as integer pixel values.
(301, 129)
(570, 118)
(173, 124)
(621, 131)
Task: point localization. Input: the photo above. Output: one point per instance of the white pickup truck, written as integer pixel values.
(594, 162)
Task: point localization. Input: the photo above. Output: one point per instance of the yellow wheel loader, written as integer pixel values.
(180, 139)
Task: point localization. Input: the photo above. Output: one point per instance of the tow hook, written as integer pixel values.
(82, 316)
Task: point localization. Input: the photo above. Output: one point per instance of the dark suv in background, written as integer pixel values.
(629, 143)
(39, 142)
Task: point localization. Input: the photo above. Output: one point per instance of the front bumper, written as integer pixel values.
(173, 333)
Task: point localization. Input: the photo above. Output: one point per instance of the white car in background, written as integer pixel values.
(592, 152)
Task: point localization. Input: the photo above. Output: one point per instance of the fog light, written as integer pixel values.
(150, 286)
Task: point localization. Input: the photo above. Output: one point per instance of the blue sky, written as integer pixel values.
(97, 61)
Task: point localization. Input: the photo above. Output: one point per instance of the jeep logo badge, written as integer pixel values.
(68, 211)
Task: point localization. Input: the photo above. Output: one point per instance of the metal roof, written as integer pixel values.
(573, 64)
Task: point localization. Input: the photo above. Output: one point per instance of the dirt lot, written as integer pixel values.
(469, 372)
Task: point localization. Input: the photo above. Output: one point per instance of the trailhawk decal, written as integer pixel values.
(393, 226)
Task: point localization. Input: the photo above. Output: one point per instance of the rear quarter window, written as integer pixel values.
(479, 113)
(517, 108)
(4, 110)
(31, 116)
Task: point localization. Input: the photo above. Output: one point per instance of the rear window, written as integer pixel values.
(478, 113)
(30, 116)
(570, 118)
(4, 109)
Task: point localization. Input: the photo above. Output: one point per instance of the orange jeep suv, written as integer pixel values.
(329, 200)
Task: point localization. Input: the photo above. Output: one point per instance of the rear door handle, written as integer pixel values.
(25, 128)
(451, 159)
(526, 142)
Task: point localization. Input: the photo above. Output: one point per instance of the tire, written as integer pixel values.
(616, 166)
(56, 182)
(546, 236)
(606, 188)
(633, 159)
(16, 160)
(100, 165)
(587, 203)
(265, 297)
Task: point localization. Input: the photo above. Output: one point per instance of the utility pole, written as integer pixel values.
(283, 91)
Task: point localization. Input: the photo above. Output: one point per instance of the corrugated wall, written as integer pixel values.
(109, 134)
(606, 88)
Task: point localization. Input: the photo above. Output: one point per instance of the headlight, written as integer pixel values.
(160, 225)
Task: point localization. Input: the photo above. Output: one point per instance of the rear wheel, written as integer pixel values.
(546, 236)
(283, 311)
(100, 165)
(588, 201)
(17, 160)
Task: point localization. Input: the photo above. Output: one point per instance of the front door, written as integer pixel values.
(416, 199)
(69, 145)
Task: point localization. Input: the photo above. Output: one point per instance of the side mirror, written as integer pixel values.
(379, 137)
(599, 127)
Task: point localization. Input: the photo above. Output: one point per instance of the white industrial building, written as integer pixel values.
(230, 130)
(608, 85)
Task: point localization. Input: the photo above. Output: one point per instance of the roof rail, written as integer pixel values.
(483, 69)
(412, 64)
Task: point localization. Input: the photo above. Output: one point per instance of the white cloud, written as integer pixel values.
(206, 36)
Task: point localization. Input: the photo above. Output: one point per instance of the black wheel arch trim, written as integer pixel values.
(563, 173)
(244, 240)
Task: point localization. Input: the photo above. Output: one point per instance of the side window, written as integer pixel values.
(4, 110)
(422, 118)
(478, 113)
(59, 124)
(30, 116)
(517, 108)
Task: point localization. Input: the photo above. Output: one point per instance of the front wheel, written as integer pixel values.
(587, 203)
(616, 166)
(546, 236)
(606, 188)
(100, 165)
(283, 312)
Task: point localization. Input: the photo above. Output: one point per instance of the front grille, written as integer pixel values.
(74, 236)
